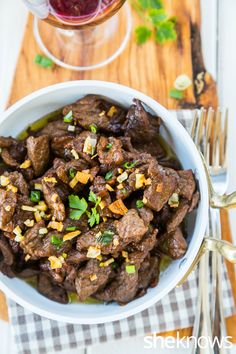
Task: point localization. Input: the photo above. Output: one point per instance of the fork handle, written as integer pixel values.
(225, 201)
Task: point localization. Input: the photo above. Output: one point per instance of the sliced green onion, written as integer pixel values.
(71, 228)
(129, 165)
(109, 175)
(109, 146)
(56, 241)
(72, 172)
(68, 117)
(93, 128)
(43, 61)
(176, 94)
(139, 204)
(35, 196)
(130, 269)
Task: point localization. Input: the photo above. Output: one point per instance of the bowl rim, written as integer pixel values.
(164, 114)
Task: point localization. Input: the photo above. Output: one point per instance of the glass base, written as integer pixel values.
(85, 49)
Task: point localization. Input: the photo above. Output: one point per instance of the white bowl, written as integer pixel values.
(46, 100)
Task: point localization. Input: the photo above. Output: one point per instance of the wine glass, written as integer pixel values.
(81, 34)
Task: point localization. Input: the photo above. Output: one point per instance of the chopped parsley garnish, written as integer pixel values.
(106, 237)
(130, 269)
(129, 165)
(35, 196)
(71, 228)
(139, 204)
(93, 128)
(72, 173)
(56, 241)
(93, 217)
(157, 23)
(43, 61)
(109, 146)
(78, 205)
(92, 197)
(109, 175)
(176, 94)
(68, 117)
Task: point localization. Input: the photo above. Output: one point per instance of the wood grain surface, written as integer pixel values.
(151, 69)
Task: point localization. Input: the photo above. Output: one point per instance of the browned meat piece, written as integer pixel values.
(6, 251)
(194, 202)
(85, 287)
(81, 224)
(162, 187)
(58, 145)
(58, 128)
(38, 246)
(17, 180)
(53, 201)
(186, 184)
(28, 273)
(78, 145)
(125, 286)
(69, 282)
(20, 215)
(131, 228)
(148, 274)
(173, 244)
(92, 109)
(177, 215)
(146, 214)
(7, 270)
(75, 257)
(113, 156)
(39, 153)
(8, 203)
(141, 126)
(99, 187)
(13, 151)
(52, 291)
(63, 168)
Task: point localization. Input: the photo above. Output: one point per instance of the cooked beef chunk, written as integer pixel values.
(173, 244)
(38, 246)
(39, 153)
(112, 156)
(131, 228)
(85, 285)
(162, 187)
(92, 110)
(6, 251)
(54, 201)
(7, 209)
(17, 180)
(186, 184)
(177, 215)
(52, 291)
(74, 232)
(148, 274)
(141, 126)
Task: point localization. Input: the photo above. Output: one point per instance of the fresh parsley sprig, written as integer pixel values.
(157, 23)
(78, 205)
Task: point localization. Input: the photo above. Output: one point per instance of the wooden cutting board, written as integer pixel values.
(150, 68)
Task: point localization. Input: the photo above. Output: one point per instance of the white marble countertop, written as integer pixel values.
(12, 20)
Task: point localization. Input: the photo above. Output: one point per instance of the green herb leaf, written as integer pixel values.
(68, 117)
(165, 32)
(72, 173)
(142, 34)
(92, 197)
(56, 241)
(71, 228)
(129, 165)
(93, 128)
(76, 203)
(94, 217)
(76, 214)
(157, 16)
(139, 204)
(147, 4)
(35, 196)
(130, 269)
(106, 237)
(109, 146)
(176, 94)
(43, 61)
(108, 175)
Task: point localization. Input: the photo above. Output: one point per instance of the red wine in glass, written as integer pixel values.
(71, 13)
